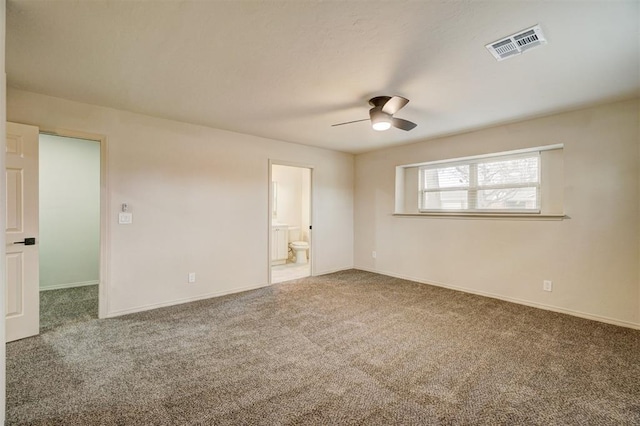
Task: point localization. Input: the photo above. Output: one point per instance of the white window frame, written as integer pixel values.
(472, 188)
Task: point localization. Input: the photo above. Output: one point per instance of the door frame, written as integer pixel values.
(103, 280)
(312, 250)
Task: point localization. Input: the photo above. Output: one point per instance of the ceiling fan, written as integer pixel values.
(381, 115)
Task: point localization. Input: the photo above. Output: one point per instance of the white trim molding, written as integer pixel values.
(491, 155)
(104, 283)
(69, 285)
(201, 297)
(460, 215)
(579, 314)
(143, 308)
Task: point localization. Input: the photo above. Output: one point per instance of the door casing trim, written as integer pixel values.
(270, 211)
(103, 285)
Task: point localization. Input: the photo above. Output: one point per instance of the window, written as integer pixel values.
(527, 184)
(501, 183)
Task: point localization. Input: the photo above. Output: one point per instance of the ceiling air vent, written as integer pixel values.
(517, 43)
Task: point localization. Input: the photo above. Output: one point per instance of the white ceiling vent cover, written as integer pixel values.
(517, 43)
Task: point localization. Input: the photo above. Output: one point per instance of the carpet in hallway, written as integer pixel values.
(64, 306)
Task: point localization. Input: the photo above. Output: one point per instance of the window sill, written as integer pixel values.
(506, 216)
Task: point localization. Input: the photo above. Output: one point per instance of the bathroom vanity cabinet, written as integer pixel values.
(279, 244)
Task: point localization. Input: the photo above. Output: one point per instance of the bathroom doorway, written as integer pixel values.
(290, 220)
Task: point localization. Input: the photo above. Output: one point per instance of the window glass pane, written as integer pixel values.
(445, 200)
(508, 199)
(446, 177)
(504, 172)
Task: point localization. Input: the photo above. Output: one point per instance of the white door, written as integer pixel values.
(22, 282)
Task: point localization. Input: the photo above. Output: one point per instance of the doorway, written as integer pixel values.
(69, 225)
(290, 254)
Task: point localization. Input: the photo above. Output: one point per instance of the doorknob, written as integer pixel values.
(27, 242)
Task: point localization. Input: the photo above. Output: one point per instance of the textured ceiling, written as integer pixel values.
(287, 70)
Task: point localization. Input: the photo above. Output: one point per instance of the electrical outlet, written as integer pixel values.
(547, 285)
(373, 254)
(192, 277)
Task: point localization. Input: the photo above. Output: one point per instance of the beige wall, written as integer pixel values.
(199, 202)
(592, 258)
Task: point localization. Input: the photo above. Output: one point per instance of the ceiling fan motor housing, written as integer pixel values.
(379, 101)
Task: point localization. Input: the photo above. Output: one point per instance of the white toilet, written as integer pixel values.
(299, 247)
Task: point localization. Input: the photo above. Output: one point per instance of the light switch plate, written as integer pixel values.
(125, 218)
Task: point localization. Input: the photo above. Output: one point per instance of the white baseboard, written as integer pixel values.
(143, 308)
(69, 285)
(331, 271)
(181, 301)
(552, 308)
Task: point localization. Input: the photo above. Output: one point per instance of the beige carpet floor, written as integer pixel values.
(345, 348)
(65, 306)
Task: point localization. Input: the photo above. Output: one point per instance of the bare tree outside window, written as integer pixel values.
(495, 184)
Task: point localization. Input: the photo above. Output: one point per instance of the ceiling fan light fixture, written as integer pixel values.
(381, 115)
(381, 126)
(380, 121)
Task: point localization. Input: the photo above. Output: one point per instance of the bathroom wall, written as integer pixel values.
(289, 194)
(293, 197)
(199, 199)
(69, 212)
(305, 212)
